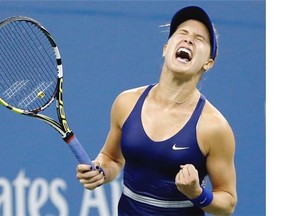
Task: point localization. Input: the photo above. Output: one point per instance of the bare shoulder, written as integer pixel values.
(214, 131)
(129, 97)
(125, 102)
(215, 118)
(134, 92)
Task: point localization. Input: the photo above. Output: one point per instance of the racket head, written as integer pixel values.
(30, 65)
(31, 76)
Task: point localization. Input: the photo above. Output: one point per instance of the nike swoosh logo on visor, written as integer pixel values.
(174, 147)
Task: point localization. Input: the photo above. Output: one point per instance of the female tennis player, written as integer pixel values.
(168, 137)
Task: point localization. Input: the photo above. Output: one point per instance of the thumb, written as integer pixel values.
(96, 165)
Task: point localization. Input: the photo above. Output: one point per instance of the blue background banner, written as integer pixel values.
(111, 46)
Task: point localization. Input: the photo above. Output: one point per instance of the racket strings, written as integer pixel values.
(42, 62)
(28, 66)
(11, 59)
(37, 56)
(18, 61)
(18, 84)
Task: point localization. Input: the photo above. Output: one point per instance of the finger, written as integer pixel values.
(93, 185)
(98, 167)
(180, 177)
(183, 174)
(189, 169)
(94, 182)
(185, 171)
(90, 177)
(83, 168)
(87, 174)
(177, 178)
(96, 164)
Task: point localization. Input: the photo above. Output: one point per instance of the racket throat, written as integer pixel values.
(69, 136)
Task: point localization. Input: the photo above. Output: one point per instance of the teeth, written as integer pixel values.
(183, 49)
(184, 54)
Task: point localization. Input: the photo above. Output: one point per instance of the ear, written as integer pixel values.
(164, 50)
(208, 65)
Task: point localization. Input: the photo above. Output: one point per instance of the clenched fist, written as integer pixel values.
(187, 181)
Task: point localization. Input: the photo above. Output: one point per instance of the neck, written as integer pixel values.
(176, 95)
(177, 88)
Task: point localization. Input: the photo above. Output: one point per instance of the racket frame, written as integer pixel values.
(62, 126)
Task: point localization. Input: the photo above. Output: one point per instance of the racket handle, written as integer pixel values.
(80, 153)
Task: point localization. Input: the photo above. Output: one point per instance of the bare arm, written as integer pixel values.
(216, 141)
(221, 169)
(110, 157)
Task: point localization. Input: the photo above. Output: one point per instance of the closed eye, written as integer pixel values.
(201, 38)
(198, 37)
(182, 32)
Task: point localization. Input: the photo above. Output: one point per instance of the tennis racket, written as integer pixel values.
(31, 76)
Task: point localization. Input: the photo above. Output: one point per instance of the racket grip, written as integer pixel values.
(79, 151)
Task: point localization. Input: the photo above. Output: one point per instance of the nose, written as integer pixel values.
(188, 41)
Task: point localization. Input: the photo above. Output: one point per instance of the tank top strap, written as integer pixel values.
(143, 96)
(198, 110)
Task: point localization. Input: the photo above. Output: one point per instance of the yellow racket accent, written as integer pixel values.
(41, 94)
(19, 111)
(16, 110)
(3, 103)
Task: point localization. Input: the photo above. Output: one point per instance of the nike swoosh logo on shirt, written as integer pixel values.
(174, 147)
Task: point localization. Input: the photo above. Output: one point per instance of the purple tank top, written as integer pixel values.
(151, 167)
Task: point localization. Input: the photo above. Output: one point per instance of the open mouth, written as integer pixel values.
(184, 55)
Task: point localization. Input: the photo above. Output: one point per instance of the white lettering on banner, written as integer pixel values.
(5, 197)
(56, 197)
(97, 199)
(39, 191)
(24, 196)
(94, 199)
(116, 190)
(20, 183)
(38, 196)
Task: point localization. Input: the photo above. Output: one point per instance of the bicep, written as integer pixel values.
(220, 160)
(216, 141)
